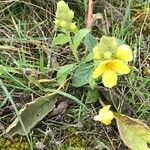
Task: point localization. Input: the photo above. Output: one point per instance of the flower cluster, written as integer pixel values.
(64, 17)
(111, 60)
(105, 115)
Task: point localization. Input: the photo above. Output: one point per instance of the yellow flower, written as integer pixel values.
(124, 53)
(96, 52)
(109, 69)
(105, 115)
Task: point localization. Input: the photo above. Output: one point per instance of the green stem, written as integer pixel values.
(74, 51)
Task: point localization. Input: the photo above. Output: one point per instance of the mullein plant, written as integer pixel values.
(64, 23)
(111, 59)
(63, 18)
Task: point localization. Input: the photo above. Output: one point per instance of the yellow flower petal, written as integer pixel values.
(105, 115)
(120, 67)
(110, 67)
(99, 70)
(96, 52)
(105, 108)
(109, 78)
(97, 118)
(124, 53)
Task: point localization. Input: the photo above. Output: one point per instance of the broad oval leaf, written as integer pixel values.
(92, 96)
(63, 72)
(134, 133)
(31, 114)
(60, 39)
(79, 37)
(90, 42)
(82, 75)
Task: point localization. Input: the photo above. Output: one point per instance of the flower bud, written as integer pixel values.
(107, 55)
(57, 22)
(63, 24)
(70, 15)
(73, 27)
(61, 5)
(62, 10)
(124, 53)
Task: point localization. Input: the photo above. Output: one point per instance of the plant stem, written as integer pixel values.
(74, 51)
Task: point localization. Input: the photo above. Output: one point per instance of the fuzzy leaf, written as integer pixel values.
(87, 58)
(82, 75)
(63, 72)
(31, 114)
(90, 42)
(79, 37)
(92, 82)
(92, 96)
(60, 39)
(134, 133)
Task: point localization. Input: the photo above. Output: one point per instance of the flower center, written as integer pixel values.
(110, 66)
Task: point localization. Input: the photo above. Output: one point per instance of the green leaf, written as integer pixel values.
(60, 39)
(79, 37)
(5, 69)
(82, 75)
(31, 114)
(90, 42)
(87, 58)
(92, 82)
(134, 133)
(63, 72)
(92, 96)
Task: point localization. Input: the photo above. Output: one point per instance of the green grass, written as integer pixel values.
(27, 56)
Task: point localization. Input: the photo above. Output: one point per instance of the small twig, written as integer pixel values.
(111, 142)
(89, 19)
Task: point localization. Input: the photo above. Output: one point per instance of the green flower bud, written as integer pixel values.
(61, 8)
(107, 55)
(108, 43)
(57, 22)
(72, 27)
(64, 17)
(70, 15)
(61, 5)
(63, 24)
